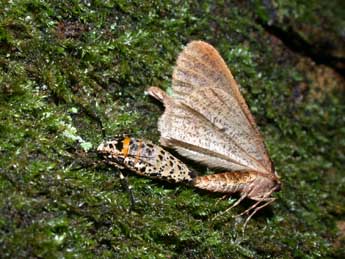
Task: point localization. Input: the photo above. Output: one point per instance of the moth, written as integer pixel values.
(206, 119)
(145, 158)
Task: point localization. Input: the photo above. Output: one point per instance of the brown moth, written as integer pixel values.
(144, 158)
(207, 120)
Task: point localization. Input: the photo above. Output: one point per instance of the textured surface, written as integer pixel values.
(65, 66)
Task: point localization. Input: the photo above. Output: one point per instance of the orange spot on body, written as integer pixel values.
(125, 147)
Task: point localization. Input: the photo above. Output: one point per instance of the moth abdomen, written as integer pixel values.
(233, 182)
(145, 158)
(253, 185)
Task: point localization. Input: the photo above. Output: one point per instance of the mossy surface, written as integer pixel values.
(73, 73)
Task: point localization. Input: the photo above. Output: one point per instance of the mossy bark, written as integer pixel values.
(72, 74)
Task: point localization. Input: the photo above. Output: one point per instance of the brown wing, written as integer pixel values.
(195, 137)
(205, 90)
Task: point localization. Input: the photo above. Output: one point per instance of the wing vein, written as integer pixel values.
(219, 131)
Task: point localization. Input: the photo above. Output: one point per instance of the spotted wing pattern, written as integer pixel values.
(145, 158)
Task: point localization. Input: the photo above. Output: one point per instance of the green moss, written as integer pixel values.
(73, 72)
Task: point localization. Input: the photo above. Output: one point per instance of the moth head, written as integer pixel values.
(111, 150)
(263, 186)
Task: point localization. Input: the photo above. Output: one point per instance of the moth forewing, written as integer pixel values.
(215, 101)
(195, 136)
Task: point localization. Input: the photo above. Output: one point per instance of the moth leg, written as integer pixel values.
(222, 198)
(257, 208)
(264, 198)
(250, 208)
(232, 206)
(128, 188)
